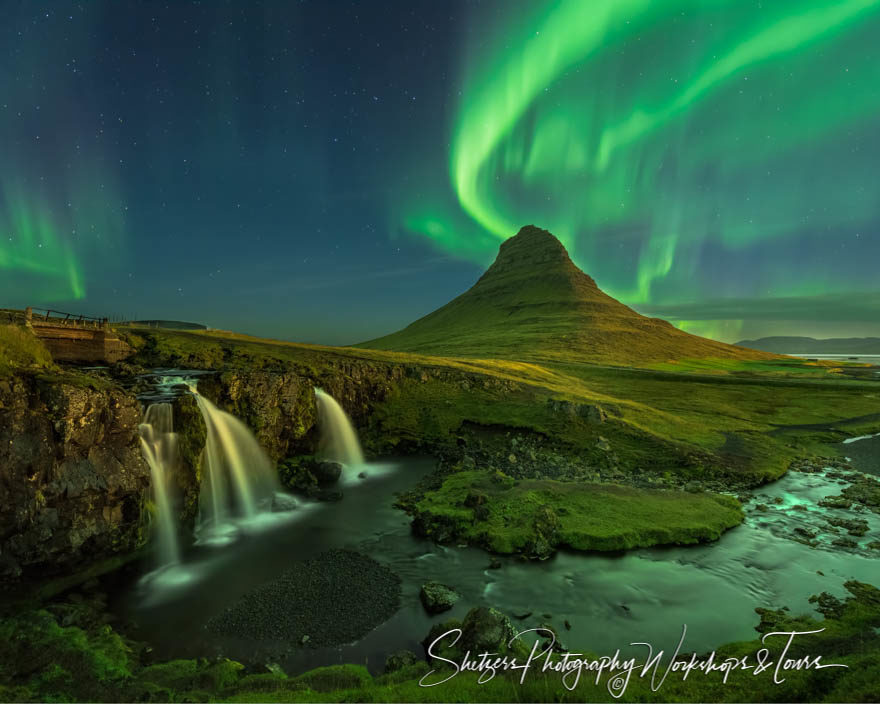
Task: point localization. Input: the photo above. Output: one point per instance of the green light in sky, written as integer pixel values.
(646, 133)
(31, 244)
(50, 234)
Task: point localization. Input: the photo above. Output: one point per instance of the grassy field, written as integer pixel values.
(743, 416)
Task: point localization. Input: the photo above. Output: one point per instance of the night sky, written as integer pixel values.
(329, 171)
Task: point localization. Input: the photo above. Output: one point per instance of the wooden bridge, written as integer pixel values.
(76, 338)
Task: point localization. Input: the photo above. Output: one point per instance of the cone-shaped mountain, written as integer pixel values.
(533, 303)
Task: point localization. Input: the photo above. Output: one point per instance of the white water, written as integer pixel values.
(860, 437)
(339, 441)
(238, 481)
(159, 445)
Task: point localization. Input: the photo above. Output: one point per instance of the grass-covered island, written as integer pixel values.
(558, 419)
(535, 516)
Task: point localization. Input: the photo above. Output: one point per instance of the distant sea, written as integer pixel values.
(864, 358)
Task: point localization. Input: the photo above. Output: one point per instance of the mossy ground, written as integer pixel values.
(20, 349)
(507, 516)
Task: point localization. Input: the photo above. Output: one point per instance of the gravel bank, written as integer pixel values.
(335, 598)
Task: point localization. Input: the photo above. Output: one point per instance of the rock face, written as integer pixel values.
(72, 478)
(278, 406)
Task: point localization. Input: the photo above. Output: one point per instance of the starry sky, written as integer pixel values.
(328, 171)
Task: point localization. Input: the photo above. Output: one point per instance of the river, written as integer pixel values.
(608, 600)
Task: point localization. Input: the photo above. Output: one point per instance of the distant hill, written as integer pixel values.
(534, 304)
(169, 324)
(810, 345)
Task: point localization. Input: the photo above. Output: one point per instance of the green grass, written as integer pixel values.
(21, 350)
(530, 516)
(658, 420)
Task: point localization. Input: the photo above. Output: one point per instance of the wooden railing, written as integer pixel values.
(56, 317)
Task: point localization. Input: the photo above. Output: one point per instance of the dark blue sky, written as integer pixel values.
(251, 158)
(329, 171)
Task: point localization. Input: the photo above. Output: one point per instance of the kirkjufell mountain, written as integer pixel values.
(534, 304)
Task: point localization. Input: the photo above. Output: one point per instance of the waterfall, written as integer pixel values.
(159, 445)
(238, 480)
(339, 441)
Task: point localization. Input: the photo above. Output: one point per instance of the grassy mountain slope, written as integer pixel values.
(534, 304)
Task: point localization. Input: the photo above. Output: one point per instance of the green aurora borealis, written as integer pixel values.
(649, 136)
(712, 162)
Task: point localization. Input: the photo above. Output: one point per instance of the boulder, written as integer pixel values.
(327, 472)
(486, 630)
(437, 597)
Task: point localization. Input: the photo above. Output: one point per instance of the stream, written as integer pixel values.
(609, 600)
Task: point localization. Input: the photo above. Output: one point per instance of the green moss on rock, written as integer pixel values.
(536, 516)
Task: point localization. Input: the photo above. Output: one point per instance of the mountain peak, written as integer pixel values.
(531, 246)
(533, 304)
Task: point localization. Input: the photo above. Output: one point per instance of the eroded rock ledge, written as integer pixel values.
(72, 479)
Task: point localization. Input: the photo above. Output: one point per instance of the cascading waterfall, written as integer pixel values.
(238, 480)
(339, 441)
(159, 445)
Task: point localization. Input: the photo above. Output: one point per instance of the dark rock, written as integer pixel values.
(362, 475)
(437, 597)
(545, 534)
(835, 502)
(853, 526)
(73, 485)
(494, 564)
(327, 472)
(865, 490)
(846, 543)
(486, 630)
(590, 413)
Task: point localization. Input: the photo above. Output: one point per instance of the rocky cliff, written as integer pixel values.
(73, 483)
